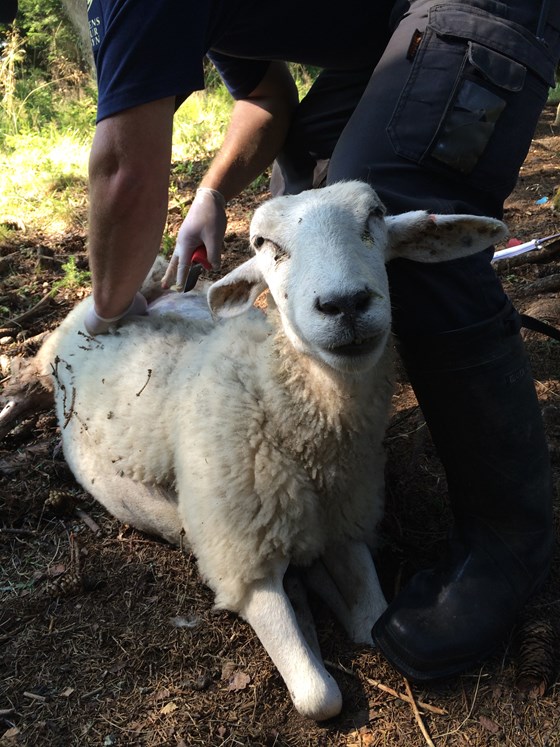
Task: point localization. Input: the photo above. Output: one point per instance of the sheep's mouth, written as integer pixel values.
(358, 347)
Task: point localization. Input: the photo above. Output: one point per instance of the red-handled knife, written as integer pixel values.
(198, 261)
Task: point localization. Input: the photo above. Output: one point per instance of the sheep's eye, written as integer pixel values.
(258, 241)
(377, 212)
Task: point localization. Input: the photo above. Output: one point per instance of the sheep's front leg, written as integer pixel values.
(297, 594)
(267, 609)
(346, 579)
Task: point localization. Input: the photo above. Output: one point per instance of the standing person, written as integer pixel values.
(434, 104)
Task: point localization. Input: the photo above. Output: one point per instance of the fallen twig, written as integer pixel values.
(37, 339)
(30, 312)
(6, 261)
(549, 284)
(18, 532)
(34, 696)
(389, 690)
(406, 698)
(86, 518)
(23, 403)
(417, 715)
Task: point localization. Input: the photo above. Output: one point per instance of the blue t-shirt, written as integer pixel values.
(150, 50)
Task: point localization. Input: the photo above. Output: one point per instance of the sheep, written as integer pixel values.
(258, 436)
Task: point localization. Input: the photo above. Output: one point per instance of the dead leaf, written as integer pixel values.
(162, 694)
(228, 669)
(55, 570)
(490, 725)
(364, 737)
(11, 733)
(239, 681)
(169, 708)
(117, 666)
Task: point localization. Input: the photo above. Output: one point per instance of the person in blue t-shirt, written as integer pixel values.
(434, 103)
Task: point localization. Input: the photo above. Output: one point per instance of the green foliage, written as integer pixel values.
(43, 71)
(304, 75)
(200, 124)
(47, 116)
(167, 244)
(50, 41)
(43, 178)
(73, 276)
(554, 94)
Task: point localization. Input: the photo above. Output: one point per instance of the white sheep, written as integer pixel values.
(259, 436)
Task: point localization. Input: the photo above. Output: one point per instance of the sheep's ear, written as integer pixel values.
(237, 291)
(436, 238)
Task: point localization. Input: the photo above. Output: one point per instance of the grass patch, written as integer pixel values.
(199, 127)
(45, 139)
(43, 171)
(554, 94)
(43, 179)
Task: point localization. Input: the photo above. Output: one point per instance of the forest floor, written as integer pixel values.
(109, 637)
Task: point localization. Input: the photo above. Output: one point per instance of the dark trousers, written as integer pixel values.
(442, 122)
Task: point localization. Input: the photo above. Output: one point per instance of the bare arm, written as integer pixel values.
(257, 130)
(129, 181)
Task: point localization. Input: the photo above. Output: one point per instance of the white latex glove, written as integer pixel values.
(205, 225)
(98, 325)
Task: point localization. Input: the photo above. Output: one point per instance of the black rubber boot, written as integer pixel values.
(477, 394)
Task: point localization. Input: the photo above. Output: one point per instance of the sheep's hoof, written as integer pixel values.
(318, 700)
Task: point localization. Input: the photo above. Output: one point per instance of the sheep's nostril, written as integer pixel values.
(329, 308)
(350, 303)
(362, 300)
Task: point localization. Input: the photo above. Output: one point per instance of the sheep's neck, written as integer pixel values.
(326, 410)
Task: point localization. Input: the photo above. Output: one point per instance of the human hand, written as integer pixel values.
(205, 224)
(98, 325)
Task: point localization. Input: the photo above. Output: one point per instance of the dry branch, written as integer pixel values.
(18, 532)
(417, 715)
(27, 401)
(389, 690)
(88, 521)
(37, 339)
(6, 261)
(16, 322)
(406, 698)
(549, 284)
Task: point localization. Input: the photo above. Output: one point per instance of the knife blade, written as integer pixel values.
(199, 261)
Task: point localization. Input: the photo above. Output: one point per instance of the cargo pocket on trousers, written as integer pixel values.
(471, 118)
(462, 80)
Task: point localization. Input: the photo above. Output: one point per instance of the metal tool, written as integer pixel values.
(528, 246)
(199, 260)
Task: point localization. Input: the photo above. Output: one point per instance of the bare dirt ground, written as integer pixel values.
(108, 637)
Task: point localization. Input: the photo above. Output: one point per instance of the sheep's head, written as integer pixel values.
(322, 255)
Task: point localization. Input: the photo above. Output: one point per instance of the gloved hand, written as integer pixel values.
(205, 224)
(98, 325)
